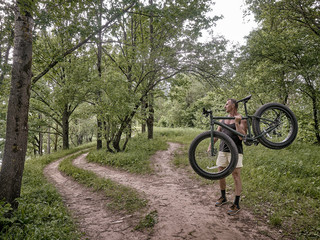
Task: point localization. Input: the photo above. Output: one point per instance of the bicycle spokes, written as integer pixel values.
(204, 161)
(276, 125)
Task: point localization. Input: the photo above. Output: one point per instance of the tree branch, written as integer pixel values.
(55, 62)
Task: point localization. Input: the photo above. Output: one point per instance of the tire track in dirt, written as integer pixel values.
(185, 210)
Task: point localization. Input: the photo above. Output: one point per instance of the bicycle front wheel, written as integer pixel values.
(204, 162)
(276, 124)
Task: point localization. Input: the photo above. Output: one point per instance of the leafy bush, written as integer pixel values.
(134, 159)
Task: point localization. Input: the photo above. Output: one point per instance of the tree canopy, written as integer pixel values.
(103, 68)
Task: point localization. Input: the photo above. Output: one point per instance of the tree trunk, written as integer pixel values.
(315, 118)
(65, 128)
(99, 133)
(40, 138)
(18, 107)
(150, 119)
(99, 58)
(48, 142)
(116, 140)
(144, 115)
(56, 139)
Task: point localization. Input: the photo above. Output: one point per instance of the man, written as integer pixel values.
(224, 155)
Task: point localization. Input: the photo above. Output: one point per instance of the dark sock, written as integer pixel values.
(236, 201)
(223, 194)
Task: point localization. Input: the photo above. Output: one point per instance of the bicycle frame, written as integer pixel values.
(249, 138)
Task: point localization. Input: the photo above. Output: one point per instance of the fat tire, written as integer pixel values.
(257, 129)
(222, 174)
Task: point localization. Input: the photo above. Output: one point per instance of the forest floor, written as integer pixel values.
(185, 209)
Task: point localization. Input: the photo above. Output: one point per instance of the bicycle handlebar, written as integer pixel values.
(206, 112)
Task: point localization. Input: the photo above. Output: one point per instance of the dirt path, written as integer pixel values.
(185, 210)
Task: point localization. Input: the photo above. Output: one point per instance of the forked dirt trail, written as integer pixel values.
(185, 209)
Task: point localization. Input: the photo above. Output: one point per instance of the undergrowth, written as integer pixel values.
(136, 157)
(284, 186)
(148, 222)
(41, 213)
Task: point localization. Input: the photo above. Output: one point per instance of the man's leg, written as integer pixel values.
(236, 174)
(223, 199)
(238, 188)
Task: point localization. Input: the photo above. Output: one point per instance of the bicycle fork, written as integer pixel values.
(212, 136)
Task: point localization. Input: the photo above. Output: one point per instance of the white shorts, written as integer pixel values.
(223, 159)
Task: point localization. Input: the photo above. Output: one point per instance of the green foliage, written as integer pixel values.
(134, 159)
(57, 97)
(187, 98)
(280, 61)
(5, 209)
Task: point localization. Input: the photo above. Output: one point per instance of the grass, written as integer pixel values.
(284, 186)
(179, 135)
(121, 198)
(41, 213)
(281, 186)
(134, 159)
(148, 222)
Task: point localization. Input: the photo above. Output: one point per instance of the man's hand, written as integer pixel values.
(209, 148)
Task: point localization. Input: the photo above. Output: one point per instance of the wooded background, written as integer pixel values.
(78, 71)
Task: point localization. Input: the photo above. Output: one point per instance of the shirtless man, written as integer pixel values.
(224, 155)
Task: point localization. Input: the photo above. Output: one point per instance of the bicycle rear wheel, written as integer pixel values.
(204, 163)
(278, 125)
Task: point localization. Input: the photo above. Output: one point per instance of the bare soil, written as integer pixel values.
(185, 207)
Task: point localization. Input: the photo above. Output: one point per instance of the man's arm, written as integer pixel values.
(241, 125)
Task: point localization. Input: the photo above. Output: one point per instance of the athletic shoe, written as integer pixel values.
(233, 210)
(221, 201)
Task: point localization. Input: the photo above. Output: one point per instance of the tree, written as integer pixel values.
(65, 89)
(284, 52)
(151, 46)
(297, 13)
(17, 116)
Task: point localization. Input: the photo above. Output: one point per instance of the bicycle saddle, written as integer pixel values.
(246, 99)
